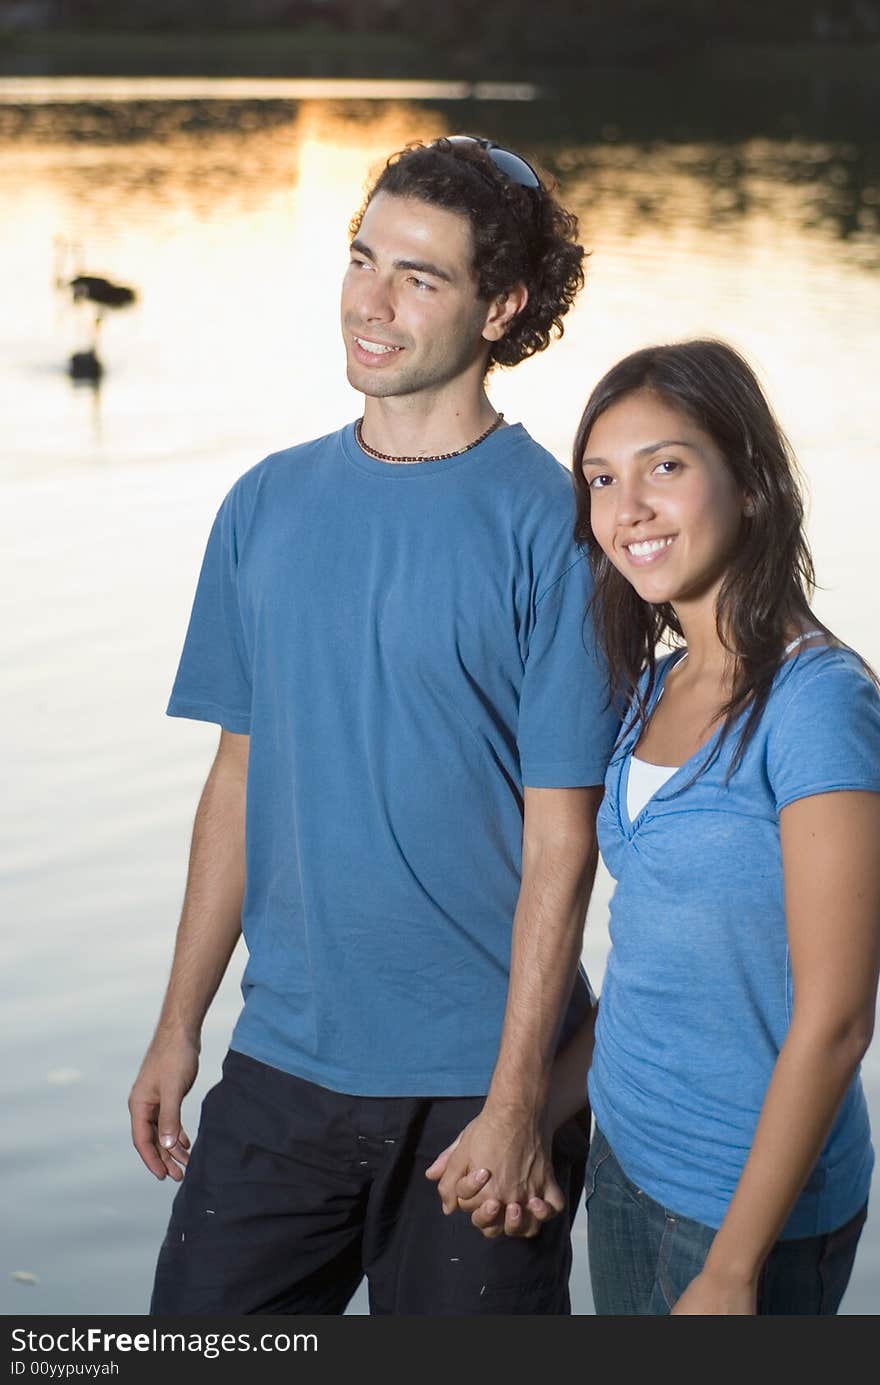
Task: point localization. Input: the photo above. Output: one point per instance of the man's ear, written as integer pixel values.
(502, 311)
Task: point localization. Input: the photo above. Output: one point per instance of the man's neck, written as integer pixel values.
(414, 426)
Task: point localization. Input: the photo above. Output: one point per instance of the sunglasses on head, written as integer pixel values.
(513, 166)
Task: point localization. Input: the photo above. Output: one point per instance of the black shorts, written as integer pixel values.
(293, 1193)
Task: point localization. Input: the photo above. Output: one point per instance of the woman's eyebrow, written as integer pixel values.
(666, 442)
(645, 451)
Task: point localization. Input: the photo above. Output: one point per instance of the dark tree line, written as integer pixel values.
(494, 25)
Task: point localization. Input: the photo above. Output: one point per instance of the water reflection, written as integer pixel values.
(231, 216)
(832, 189)
(230, 219)
(204, 150)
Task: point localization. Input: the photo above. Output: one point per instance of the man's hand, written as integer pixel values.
(500, 1171)
(167, 1073)
(489, 1216)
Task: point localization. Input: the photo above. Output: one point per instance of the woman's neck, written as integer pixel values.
(707, 656)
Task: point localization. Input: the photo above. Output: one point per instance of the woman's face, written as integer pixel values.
(664, 505)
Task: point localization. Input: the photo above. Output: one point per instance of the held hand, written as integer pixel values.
(712, 1296)
(436, 1170)
(489, 1216)
(499, 1171)
(492, 1217)
(167, 1073)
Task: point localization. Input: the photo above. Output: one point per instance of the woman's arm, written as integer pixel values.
(831, 867)
(568, 1079)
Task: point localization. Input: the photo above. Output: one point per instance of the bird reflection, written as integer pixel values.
(96, 295)
(86, 365)
(99, 295)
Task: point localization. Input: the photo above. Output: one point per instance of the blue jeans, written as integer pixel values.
(642, 1256)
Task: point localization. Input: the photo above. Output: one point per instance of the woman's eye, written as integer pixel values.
(597, 483)
(668, 467)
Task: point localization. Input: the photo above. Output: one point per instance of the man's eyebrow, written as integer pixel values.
(424, 267)
(419, 266)
(645, 451)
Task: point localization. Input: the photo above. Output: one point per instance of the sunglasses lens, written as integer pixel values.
(515, 168)
(511, 165)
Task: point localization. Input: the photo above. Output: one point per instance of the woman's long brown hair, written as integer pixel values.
(766, 590)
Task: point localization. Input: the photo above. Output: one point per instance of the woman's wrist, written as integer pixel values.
(737, 1266)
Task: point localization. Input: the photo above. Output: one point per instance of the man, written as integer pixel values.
(389, 630)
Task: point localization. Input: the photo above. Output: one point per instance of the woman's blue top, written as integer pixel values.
(697, 997)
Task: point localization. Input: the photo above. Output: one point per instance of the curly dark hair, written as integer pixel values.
(520, 234)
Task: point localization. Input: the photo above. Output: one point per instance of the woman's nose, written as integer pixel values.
(633, 503)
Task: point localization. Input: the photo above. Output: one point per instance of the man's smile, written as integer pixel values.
(377, 348)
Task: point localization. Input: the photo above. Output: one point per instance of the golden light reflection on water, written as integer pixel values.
(230, 219)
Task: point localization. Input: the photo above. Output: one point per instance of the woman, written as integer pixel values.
(730, 1168)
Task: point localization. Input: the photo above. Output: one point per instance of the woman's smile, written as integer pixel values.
(643, 552)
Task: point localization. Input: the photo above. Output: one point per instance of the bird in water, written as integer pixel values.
(101, 292)
(89, 291)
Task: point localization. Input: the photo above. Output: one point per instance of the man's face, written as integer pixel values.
(411, 317)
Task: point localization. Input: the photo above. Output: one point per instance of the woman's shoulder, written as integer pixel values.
(823, 724)
(823, 674)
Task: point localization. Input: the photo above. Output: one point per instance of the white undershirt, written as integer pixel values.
(643, 782)
(645, 779)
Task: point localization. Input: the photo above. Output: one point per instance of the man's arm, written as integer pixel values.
(209, 928)
(511, 1136)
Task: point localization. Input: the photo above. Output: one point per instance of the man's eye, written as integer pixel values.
(420, 283)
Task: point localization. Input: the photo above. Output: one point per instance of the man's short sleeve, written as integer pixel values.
(827, 736)
(213, 679)
(566, 728)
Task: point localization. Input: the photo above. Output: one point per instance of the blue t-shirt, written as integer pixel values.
(405, 645)
(697, 997)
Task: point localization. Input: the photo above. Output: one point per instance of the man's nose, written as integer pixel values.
(376, 303)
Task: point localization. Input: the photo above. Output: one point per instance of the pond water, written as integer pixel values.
(227, 212)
